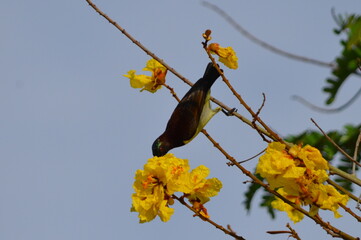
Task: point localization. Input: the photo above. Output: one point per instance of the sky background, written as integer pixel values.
(73, 132)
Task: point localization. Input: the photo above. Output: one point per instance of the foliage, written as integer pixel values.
(347, 63)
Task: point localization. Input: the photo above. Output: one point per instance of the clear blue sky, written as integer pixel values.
(73, 132)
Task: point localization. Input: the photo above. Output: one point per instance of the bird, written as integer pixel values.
(190, 116)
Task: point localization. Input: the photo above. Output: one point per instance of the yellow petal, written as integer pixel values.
(165, 212)
(153, 64)
(228, 57)
(137, 81)
(292, 213)
(312, 158)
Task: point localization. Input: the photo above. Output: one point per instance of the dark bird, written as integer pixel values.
(190, 116)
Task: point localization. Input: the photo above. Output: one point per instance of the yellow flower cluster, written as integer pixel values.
(227, 55)
(161, 178)
(299, 176)
(149, 83)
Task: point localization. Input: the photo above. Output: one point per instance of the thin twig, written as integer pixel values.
(220, 227)
(243, 119)
(262, 105)
(172, 92)
(327, 229)
(335, 144)
(291, 232)
(341, 189)
(355, 154)
(248, 159)
(327, 110)
(230, 228)
(257, 114)
(218, 146)
(262, 43)
(278, 232)
(339, 172)
(294, 233)
(348, 210)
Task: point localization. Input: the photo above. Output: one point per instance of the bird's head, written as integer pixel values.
(160, 147)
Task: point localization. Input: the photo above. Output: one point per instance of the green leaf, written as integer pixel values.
(346, 63)
(252, 189)
(355, 32)
(266, 202)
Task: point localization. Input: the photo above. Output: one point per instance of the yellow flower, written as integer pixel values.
(275, 161)
(328, 198)
(149, 83)
(165, 171)
(153, 64)
(227, 55)
(312, 158)
(278, 167)
(300, 165)
(161, 178)
(197, 187)
(292, 213)
(152, 197)
(149, 206)
(299, 176)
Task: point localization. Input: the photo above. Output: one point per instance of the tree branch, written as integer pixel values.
(226, 231)
(338, 147)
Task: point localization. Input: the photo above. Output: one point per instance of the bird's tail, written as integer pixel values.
(211, 74)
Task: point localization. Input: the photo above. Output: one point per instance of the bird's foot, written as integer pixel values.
(230, 112)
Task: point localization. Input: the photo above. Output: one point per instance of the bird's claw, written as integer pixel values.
(230, 112)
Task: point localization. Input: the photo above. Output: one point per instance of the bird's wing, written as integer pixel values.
(206, 115)
(184, 121)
